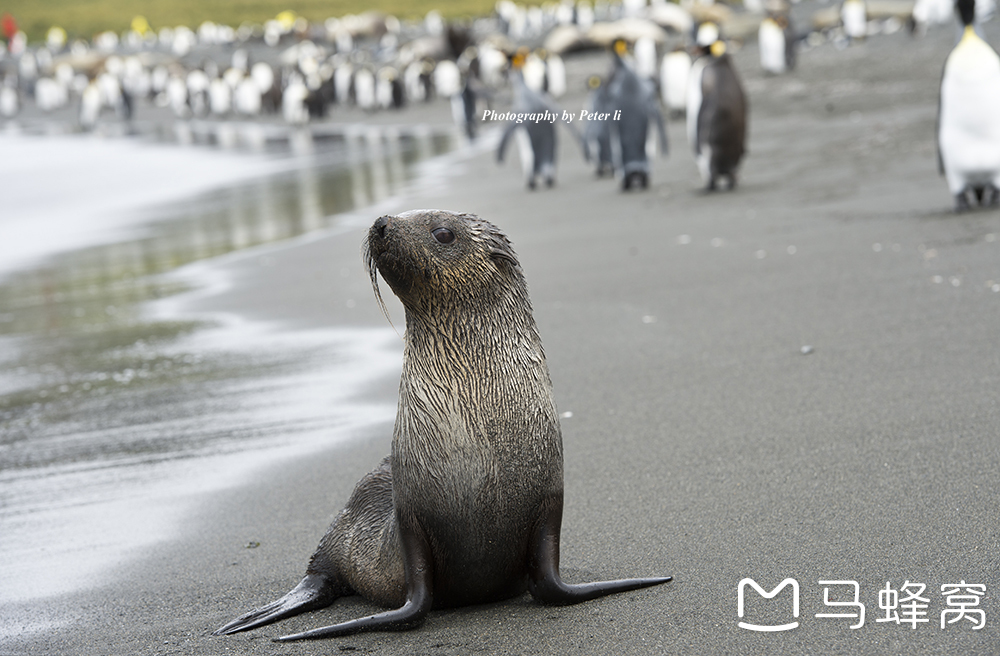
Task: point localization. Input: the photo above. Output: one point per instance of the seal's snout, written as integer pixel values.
(379, 226)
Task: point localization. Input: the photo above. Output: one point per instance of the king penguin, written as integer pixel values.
(635, 103)
(717, 111)
(537, 140)
(776, 39)
(969, 116)
(854, 17)
(674, 71)
(599, 132)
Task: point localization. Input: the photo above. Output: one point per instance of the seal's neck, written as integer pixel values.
(473, 335)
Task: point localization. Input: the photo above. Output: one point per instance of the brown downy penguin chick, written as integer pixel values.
(468, 507)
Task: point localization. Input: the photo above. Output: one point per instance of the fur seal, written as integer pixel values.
(468, 507)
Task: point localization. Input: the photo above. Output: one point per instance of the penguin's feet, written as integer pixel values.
(979, 192)
(550, 182)
(635, 179)
(531, 183)
(962, 202)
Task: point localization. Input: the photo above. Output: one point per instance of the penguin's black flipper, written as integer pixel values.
(580, 139)
(509, 130)
(661, 127)
(313, 591)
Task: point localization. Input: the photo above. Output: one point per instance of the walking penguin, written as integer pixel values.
(635, 100)
(538, 138)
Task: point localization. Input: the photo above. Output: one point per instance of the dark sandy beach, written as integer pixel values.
(705, 440)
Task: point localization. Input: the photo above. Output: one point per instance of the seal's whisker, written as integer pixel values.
(372, 266)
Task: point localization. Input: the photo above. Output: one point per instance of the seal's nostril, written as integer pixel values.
(380, 225)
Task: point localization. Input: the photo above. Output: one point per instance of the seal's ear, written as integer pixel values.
(500, 255)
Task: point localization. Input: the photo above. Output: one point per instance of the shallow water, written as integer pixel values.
(114, 418)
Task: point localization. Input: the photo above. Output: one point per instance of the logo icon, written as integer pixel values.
(740, 591)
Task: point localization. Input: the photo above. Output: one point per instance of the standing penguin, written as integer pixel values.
(9, 101)
(463, 103)
(717, 111)
(599, 132)
(969, 116)
(854, 16)
(674, 71)
(776, 39)
(538, 139)
(635, 104)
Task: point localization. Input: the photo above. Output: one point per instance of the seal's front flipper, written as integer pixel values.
(419, 597)
(314, 591)
(544, 581)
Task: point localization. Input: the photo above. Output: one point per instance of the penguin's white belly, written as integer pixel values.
(855, 19)
(525, 152)
(694, 102)
(933, 12)
(771, 40)
(556, 73)
(704, 161)
(674, 79)
(969, 134)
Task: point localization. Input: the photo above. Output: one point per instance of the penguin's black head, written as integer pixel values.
(966, 10)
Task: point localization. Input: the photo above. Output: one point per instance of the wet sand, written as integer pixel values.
(703, 442)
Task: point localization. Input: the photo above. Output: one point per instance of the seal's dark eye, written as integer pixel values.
(443, 235)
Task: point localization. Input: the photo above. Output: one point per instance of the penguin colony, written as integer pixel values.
(664, 60)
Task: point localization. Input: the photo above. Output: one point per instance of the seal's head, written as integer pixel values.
(437, 258)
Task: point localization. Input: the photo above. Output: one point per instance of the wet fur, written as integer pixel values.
(475, 404)
(468, 507)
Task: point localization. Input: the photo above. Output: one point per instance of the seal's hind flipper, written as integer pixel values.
(418, 561)
(313, 591)
(544, 581)
(399, 619)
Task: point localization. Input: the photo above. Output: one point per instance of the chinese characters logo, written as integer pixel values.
(909, 605)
